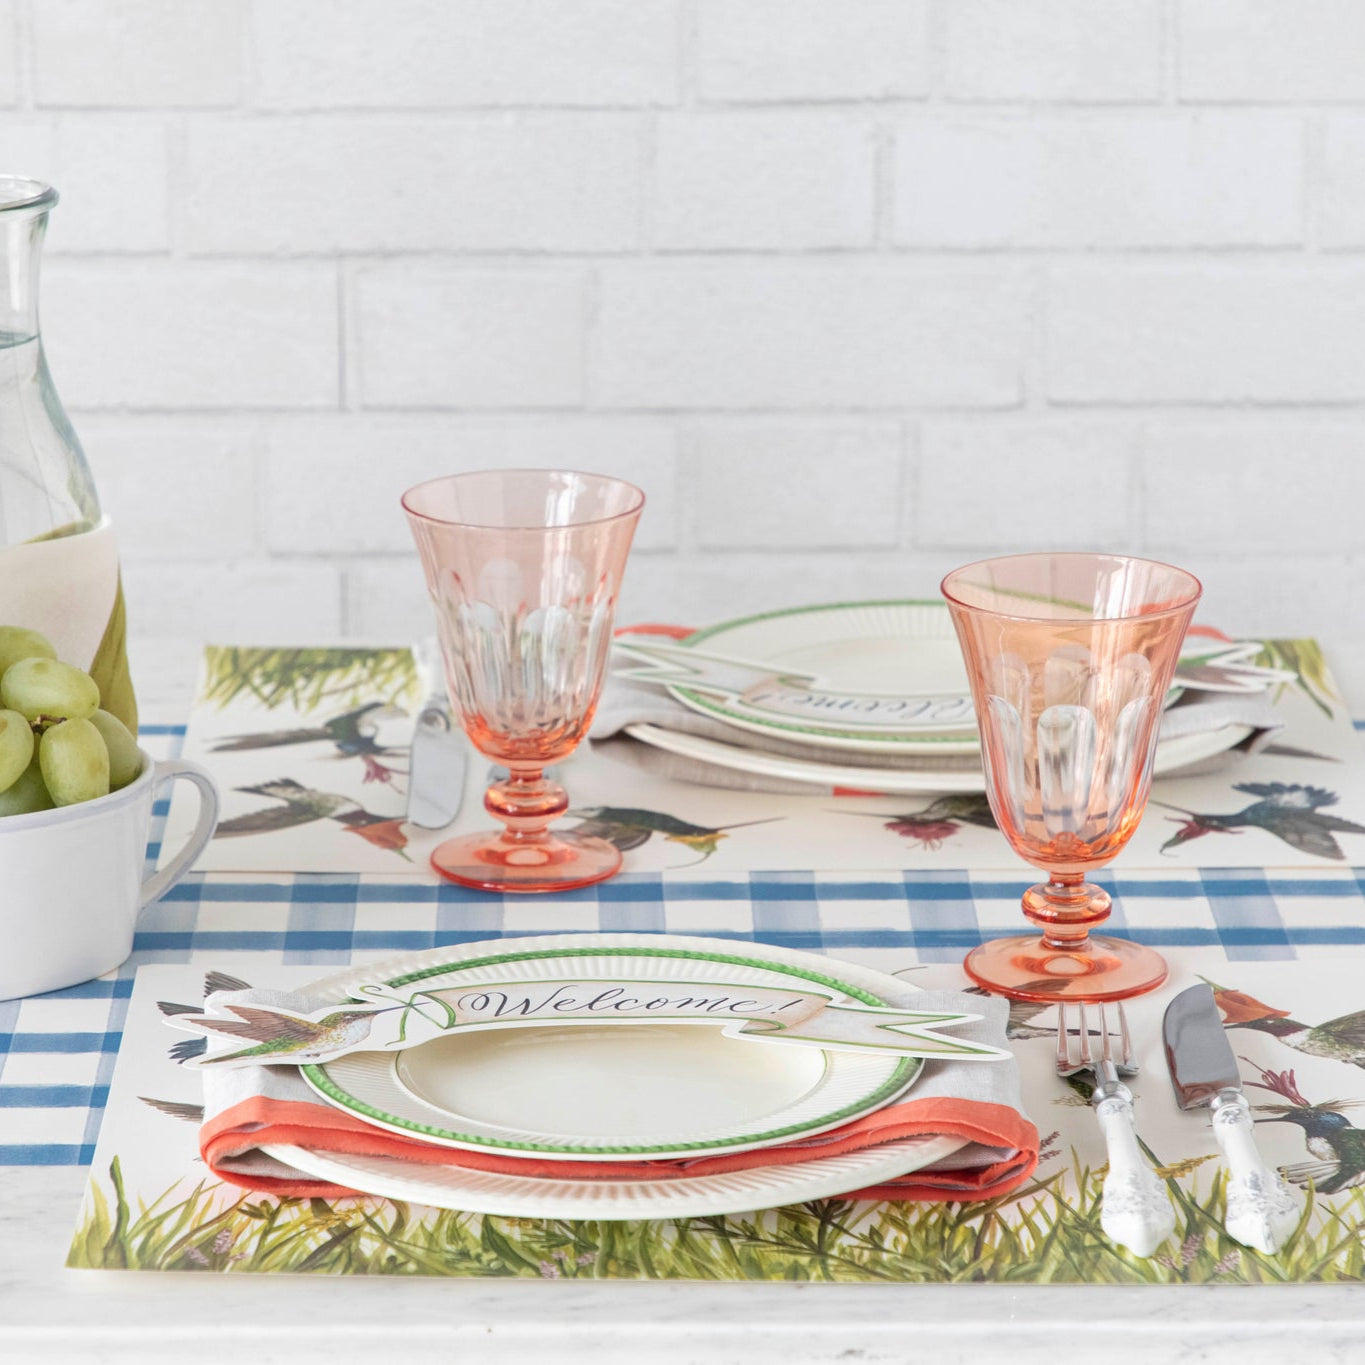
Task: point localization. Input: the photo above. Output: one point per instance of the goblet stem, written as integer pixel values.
(526, 802)
(1066, 908)
(1067, 962)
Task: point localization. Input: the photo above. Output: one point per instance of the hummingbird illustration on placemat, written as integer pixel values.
(1337, 1145)
(1338, 1040)
(1291, 812)
(302, 805)
(939, 820)
(629, 827)
(355, 734)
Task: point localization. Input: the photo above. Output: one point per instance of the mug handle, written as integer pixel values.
(159, 883)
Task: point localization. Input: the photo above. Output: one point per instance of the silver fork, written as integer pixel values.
(1135, 1209)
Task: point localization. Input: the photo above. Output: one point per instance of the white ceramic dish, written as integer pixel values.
(74, 879)
(1171, 755)
(577, 1092)
(654, 1196)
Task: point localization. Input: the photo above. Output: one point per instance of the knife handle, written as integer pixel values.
(1136, 1211)
(1262, 1211)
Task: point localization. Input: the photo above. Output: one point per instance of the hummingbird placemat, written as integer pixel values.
(1296, 1026)
(310, 749)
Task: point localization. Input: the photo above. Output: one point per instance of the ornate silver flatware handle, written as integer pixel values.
(1136, 1210)
(1262, 1211)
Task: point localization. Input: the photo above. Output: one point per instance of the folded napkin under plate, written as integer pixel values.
(1251, 722)
(250, 1109)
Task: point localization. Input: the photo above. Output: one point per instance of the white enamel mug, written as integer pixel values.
(71, 880)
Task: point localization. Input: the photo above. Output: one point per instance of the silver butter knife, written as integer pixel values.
(440, 754)
(1262, 1211)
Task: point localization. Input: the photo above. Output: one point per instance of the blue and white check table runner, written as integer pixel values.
(57, 1051)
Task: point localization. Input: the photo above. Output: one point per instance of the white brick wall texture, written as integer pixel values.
(9, 53)
(470, 337)
(1061, 50)
(857, 290)
(809, 51)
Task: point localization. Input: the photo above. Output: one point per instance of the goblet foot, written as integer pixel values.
(527, 855)
(1094, 968)
(494, 861)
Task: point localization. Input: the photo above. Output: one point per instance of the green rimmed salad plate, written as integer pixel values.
(862, 649)
(591, 1092)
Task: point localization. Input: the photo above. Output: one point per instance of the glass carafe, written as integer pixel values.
(58, 559)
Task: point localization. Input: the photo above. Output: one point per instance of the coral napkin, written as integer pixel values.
(249, 1108)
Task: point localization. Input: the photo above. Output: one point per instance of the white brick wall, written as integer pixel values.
(764, 181)
(172, 334)
(1290, 51)
(9, 52)
(469, 338)
(112, 171)
(381, 183)
(878, 333)
(1207, 333)
(1066, 50)
(154, 53)
(434, 54)
(825, 471)
(855, 289)
(812, 50)
(1105, 180)
(1342, 212)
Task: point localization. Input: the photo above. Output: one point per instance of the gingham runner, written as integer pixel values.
(57, 1051)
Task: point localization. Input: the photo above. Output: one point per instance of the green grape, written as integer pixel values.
(75, 762)
(28, 794)
(16, 748)
(125, 761)
(43, 689)
(17, 643)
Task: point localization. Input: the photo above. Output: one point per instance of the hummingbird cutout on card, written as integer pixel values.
(1220, 665)
(380, 1018)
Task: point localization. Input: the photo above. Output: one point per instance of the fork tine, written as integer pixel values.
(1125, 1040)
(1106, 1048)
(1087, 1059)
(1063, 1043)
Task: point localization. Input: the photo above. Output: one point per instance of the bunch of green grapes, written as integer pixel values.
(57, 747)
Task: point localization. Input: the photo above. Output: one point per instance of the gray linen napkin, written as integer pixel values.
(626, 702)
(988, 1082)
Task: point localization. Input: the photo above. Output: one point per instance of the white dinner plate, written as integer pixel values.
(652, 1196)
(1171, 755)
(588, 1092)
(891, 649)
(882, 648)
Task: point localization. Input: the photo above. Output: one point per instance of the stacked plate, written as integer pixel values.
(891, 711)
(589, 1094)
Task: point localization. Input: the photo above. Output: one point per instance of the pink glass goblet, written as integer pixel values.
(1070, 657)
(524, 568)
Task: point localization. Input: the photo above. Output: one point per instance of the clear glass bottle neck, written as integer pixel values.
(21, 248)
(45, 486)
